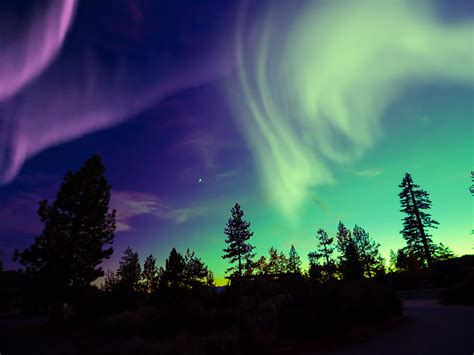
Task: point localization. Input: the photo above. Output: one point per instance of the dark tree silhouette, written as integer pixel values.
(78, 230)
(111, 281)
(129, 270)
(414, 202)
(472, 181)
(195, 271)
(315, 270)
(238, 233)
(442, 252)
(3, 291)
(150, 275)
(294, 261)
(471, 188)
(277, 262)
(368, 250)
(173, 274)
(343, 237)
(402, 260)
(324, 251)
(350, 263)
(261, 266)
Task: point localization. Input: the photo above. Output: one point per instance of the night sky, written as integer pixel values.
(304, 112)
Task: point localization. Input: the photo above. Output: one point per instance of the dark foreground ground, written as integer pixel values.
(428, 328)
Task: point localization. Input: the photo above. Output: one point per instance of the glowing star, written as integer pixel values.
(199, 180)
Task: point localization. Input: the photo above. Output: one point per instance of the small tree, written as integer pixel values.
(129, 271)
(150, 275)
(261, 266)
(415, 202)
(173, 274)
(195, 271)
(111, 281)
(324, 251)
(443, 252)
(402, 260)
(3, 293)
(277, 262)
(471, 188)
(368, 250)
(78, 230)
(350, 263)
(239, 250)
(294, 261)
(315, 271)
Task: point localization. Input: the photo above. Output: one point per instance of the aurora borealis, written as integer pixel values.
(305, 112)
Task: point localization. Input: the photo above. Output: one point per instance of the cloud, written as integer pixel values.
(181, 215)
(369, 172)
(18, 212)
(315, 83)
(131, 204)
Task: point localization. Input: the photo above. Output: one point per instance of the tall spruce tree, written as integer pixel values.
(239, 250)
(294, 261)
(129, 271)
(78, 230)
(415, 202)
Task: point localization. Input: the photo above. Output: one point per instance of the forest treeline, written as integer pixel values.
(79, 231)
(270, 297)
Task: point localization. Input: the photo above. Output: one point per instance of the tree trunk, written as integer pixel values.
(56, 312)
(420, 227)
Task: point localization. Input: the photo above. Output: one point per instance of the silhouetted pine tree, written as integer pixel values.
(402, 260)
(472, 186)
(414, 202)
(472, 191)
(261, 266)
(442, 252)
(277, 262)
(368, 250)
(324, 251)
(195, 271)
(150, 275)
(2, 286)
(238, 233)
(129, 270)
(294, 261)
(173, 274)
(111, 281)
(78, 230)
(315, 270)
(350, 263)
